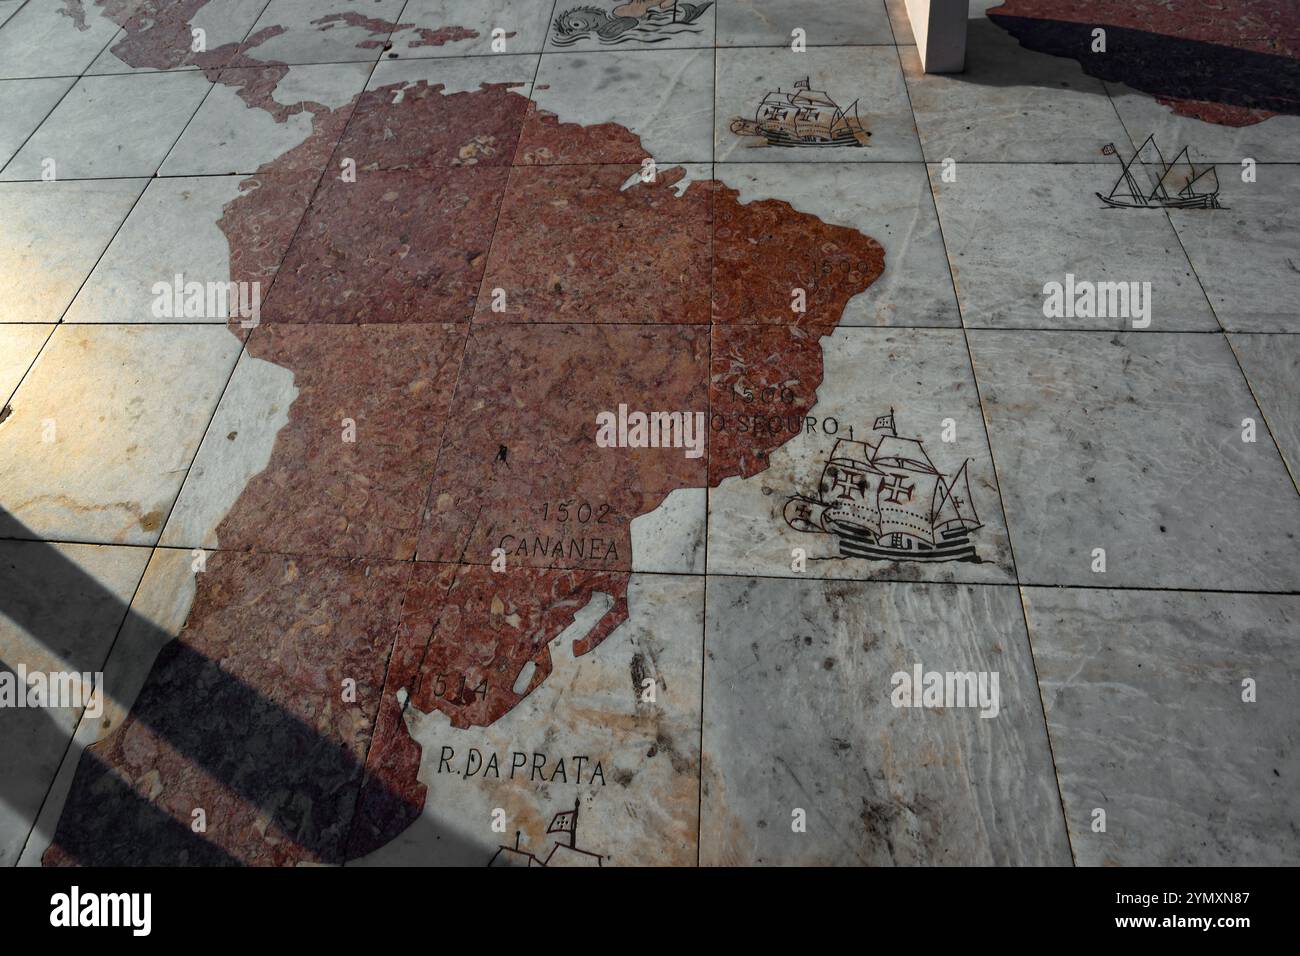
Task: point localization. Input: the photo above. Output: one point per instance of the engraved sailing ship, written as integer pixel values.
(887, 501)
(561, 854)
(803, 117)
(1175, 185)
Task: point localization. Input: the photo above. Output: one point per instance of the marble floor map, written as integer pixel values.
(643, 434)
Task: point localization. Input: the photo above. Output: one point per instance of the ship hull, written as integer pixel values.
(1194, 202)
(958, 549)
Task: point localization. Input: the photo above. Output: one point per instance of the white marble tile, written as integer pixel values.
(1132, 443)
(1011, 229)
(442, 28)
(45, 39)
(868, 76)
(224, 23)
(1247, 254)
(1272, 367)
(1275, 140)
(236, 446)
(60, 609)
(827, 23)
(324, 31)
(171, 231)
(105, 425)
(800, 714)
(158, 611)
(229, 136)
(109, 126)
(8, 8)
(51, 235)
(1010, 105)
(19, 346)
(24, 104)
(663, 96)
(1144, 699)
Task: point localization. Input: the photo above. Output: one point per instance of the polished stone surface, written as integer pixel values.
(868, 75)
(1272, 367)
(662, 97)
(392, 535)
(889, 201)
(53, 234)
(59, 613)
(1245, 253)
(24, 105)
(1012, 228)
(226, 137)
(112, 126)
(1133, 443)
(923, 378)
(1009, 105)
(1144, 699)
(88, 453)
(172, 230)
(798, 716)
(44, 39)
(19, 346)
(748, 23)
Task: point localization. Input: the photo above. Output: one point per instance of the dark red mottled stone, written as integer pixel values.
(536, 392)
(763, 384)
(545, 141)
(260, 223)
(322, 495)
(244, 716)
(574, 246)
(435, 128)
(765, 250)
(394, 246)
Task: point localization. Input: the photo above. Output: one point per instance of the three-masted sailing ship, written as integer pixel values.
(1173, 185)
(888, 501)
(803, 117)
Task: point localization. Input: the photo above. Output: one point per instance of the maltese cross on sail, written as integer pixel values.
(803, 117)
(1175, 185)
(888, 502)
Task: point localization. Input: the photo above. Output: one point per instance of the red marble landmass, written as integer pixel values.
(546, 141)
(437, 128)
(394, 246)
(322, 495)
(762, 386)
(244, 716)
(536, 392)
(573, 246)
(242, 710)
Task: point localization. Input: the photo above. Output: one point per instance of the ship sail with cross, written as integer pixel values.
(887, 501)
(803, 117)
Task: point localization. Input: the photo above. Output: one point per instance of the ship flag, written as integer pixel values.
(565, 822)
(885, 421)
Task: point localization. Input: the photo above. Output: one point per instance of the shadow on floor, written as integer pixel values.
(305, 785)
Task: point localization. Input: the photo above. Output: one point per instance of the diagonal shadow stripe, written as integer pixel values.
(278, 790)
